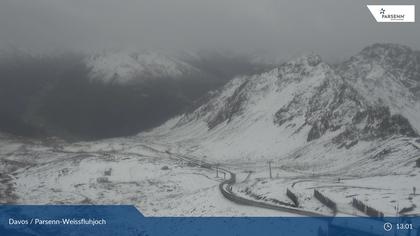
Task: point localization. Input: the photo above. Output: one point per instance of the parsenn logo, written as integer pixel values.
(382, 11)
(393, 13)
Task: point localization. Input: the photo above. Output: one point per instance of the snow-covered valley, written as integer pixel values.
(302, 128)
(159, 183)
(112, 172)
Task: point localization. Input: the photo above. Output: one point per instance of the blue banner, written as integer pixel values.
(127, 220)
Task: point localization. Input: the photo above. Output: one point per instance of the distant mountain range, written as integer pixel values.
(109, 94)
(126, 67)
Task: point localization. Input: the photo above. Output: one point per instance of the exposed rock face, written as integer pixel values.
(387, 75)
(232, 107)
(336, 105)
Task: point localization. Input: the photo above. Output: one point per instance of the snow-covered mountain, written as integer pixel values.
(317, 124)
(123, 67)
(304, 111)
(388, 75)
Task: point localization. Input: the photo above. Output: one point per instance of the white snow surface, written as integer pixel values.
(115, 171)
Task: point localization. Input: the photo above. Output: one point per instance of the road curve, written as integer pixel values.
(225, 188)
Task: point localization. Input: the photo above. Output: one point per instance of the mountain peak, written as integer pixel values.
(386, 51)
(310, 60)
(387, 74)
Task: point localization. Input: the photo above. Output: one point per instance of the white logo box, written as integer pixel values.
(393, 13)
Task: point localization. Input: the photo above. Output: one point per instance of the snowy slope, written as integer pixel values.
(114, 171)
(123, 67)
(303, 112)
(241, 116)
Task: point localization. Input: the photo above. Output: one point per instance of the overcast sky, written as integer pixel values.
(286, 28)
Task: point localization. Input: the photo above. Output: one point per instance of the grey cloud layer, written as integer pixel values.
(332, 28)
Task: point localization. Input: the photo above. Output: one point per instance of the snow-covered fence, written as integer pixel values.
(292, 197)
(326, 201)
(261, 197)
(368, 210)
(407, 209)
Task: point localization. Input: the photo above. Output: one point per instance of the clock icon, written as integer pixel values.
(387, 226)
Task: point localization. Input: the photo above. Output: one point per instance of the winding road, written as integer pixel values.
(226, 186)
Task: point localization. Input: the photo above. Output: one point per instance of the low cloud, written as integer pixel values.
(334, 29)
